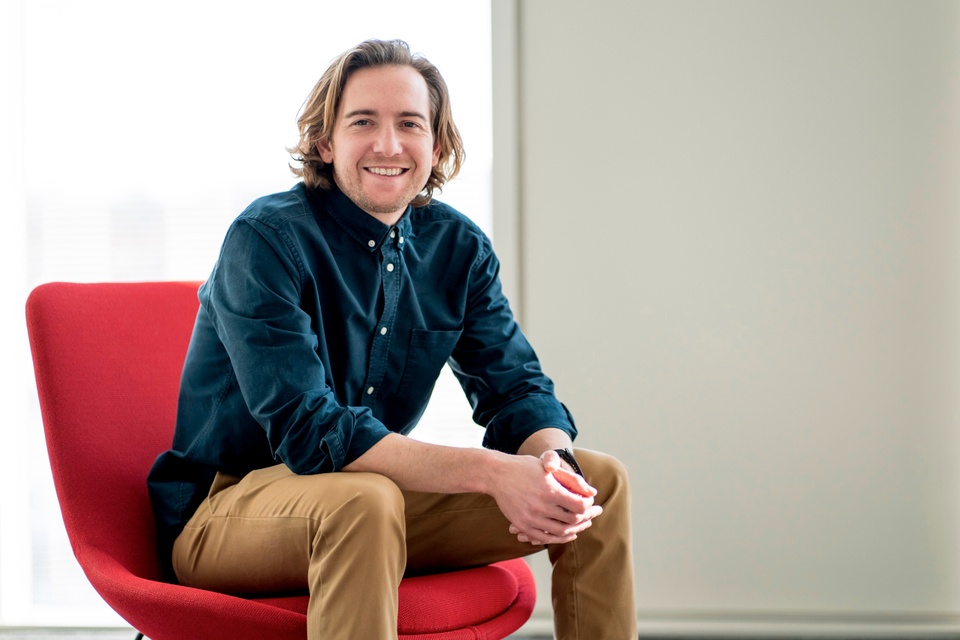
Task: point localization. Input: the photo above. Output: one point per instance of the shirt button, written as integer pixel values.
(390, 267)
(393, 233)
(372, 243)
(383, 331)
(401, 239)
(369, 391)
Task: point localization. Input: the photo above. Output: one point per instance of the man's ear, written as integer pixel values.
(436, 153)
(325, 148)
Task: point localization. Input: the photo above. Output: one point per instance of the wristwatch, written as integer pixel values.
(567, 456)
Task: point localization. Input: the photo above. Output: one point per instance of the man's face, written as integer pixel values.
(382, 148)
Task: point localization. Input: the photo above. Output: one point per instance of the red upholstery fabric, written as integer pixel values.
(107, 359)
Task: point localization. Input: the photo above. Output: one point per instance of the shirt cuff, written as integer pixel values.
(354, 434)
(517, 422)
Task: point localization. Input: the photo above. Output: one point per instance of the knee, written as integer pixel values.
(348, 504)
(605, 473)
(364, 528)
(373, 498)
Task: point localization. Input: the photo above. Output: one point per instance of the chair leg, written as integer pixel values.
(139, 636)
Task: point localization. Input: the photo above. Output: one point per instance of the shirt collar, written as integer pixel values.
(357, 223)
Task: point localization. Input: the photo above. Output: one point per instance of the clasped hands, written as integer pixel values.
(546, 502)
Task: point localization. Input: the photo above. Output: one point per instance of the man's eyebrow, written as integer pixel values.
(360, 112)
(373, 112)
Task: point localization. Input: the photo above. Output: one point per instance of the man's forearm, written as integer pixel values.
(545, 440)
(543, 503)
(419, 466)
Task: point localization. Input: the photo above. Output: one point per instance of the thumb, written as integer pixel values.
(574, 483)
(551, 461)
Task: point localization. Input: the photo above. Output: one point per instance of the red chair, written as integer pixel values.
(107, 359)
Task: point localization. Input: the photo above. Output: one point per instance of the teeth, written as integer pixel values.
(381, 171)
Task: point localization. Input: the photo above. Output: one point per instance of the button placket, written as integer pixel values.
(379, 350)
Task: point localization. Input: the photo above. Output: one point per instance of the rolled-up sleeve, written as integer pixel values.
(253, 300)
(498, 369)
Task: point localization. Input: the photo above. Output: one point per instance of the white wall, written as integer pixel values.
(739, 258)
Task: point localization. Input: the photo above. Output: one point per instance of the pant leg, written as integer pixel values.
(592, 585)
(341, 536)
(457, 531)
(593, 575)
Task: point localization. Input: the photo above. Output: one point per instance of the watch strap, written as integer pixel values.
(567, 456)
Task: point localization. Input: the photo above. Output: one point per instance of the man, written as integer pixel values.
(322, 329)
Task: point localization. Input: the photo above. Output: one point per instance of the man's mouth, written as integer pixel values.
(386, 171)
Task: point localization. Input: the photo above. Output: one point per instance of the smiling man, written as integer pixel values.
(322, 329)
(384, 151)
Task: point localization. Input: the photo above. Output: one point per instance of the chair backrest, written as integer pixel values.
(107, 359)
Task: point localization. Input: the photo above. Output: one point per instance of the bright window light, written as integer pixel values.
(145, 128)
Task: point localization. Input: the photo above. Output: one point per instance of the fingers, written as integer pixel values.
(573, 518)
(572, 504)
(574, 483)
(545, 502)
(538, 538)
(569, 480)
(560, 527)
(541, 537)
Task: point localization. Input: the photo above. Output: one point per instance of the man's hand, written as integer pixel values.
(565, 474)
(545, 502)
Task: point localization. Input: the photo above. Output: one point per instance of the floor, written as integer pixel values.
(67, 634)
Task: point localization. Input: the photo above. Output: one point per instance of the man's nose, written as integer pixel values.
(387, 142)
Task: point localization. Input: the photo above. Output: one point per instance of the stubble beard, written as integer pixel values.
(358, 195)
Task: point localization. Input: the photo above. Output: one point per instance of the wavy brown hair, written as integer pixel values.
(319, 113)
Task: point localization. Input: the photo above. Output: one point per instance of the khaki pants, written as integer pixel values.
(348, 538)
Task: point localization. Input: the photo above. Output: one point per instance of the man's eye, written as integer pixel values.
(361, 123)
(411, 125)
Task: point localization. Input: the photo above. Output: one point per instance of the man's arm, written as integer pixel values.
(544, 503)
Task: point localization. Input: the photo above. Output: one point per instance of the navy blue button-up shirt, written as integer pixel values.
(321, 330)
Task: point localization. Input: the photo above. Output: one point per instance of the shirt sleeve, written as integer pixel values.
(253, 299)
(498, 369)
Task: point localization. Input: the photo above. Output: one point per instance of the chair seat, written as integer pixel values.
(444, 601)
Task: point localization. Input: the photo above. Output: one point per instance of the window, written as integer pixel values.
(145, 128)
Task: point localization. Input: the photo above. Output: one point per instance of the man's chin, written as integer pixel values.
(383, 206)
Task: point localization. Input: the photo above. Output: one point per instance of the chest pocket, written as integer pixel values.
(426, 356)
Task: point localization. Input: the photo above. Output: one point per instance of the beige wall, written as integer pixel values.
(733, 231)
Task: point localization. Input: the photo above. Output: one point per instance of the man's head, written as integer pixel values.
(322, 114)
